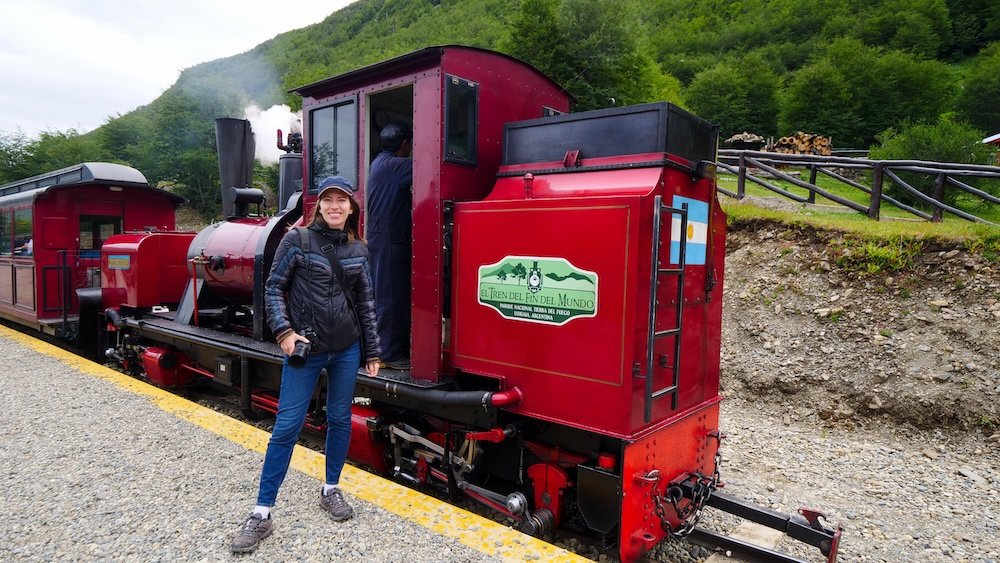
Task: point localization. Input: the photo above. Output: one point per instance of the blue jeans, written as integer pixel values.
(297, 387)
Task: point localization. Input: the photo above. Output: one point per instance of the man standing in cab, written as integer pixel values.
(389, 230)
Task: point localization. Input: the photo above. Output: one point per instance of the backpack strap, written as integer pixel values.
(304, 239)
(304, 244)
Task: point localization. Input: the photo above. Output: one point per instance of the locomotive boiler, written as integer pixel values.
(566, 297)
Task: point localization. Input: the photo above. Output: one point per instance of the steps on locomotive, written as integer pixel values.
(163, 323)
(160, 323)
(402, 376)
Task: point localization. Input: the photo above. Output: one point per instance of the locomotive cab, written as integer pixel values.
(456, 100)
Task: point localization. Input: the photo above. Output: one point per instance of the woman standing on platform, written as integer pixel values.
(319, 293)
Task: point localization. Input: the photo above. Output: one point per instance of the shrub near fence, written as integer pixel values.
(947, 176)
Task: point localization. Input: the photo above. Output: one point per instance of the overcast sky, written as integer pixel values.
(70, 64)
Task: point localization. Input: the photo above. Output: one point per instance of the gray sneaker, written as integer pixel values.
(334, 503)
(253, 530)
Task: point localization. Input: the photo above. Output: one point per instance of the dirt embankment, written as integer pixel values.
(919, 346)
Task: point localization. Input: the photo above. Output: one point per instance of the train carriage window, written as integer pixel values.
(23, 245)
(462, 109)
(5, 234)
(334, 133)
(94, 230)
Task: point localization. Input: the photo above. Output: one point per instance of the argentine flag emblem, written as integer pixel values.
(696, 237)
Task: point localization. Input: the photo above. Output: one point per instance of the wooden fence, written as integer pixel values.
(953, 176)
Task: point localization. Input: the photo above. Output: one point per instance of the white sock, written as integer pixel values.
(328, 488)
(263, 511)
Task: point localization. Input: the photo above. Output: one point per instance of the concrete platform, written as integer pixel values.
(96, 465)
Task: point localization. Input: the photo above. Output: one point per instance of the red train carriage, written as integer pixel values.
(52, 228)
(566, 299)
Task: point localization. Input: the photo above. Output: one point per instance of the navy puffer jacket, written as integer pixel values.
(296, 300)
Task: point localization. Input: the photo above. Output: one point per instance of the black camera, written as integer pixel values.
(297, 358)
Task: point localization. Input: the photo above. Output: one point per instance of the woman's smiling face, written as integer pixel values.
(335, 207)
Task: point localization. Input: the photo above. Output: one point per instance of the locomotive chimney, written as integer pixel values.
(234, 140)
(289, 166)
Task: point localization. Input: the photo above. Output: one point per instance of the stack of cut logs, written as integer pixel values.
(802, 143)
(745, 137)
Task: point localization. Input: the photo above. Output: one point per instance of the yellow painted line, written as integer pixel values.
(481, 534)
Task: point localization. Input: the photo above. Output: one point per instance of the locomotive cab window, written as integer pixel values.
(94, 230)
(462, 106)
(334, 132)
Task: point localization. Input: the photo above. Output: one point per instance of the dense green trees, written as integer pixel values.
(944, 140)
(853, 92)
(846, 68)
(974, 23)
(979, 101)
(593, 48)
(919, 27)
(21, 157)
(739, 95)
(14, 156)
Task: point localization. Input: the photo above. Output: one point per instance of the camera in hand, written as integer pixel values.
(297, 358)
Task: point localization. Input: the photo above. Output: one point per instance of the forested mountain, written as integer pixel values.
(849, 69)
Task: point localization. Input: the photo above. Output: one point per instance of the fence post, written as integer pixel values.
(812, 180)
(741, 178)
(876, 201)
(939, 196)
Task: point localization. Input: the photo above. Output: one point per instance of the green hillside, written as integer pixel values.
(849, 69)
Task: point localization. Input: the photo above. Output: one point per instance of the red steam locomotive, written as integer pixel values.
(566, 295)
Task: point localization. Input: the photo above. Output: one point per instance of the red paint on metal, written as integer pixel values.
(144, 269)
(835, 545)
(607, 461)
(494, 435)
(363, 448)
(423, 470)
(163, 367)
(554, 455)
(548, 483)
(677, 447)
(265, 402)
(599, 221)
(236, 242)
(193, 368)
(513, 396)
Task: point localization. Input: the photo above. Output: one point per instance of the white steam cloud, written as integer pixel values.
(265, 124)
